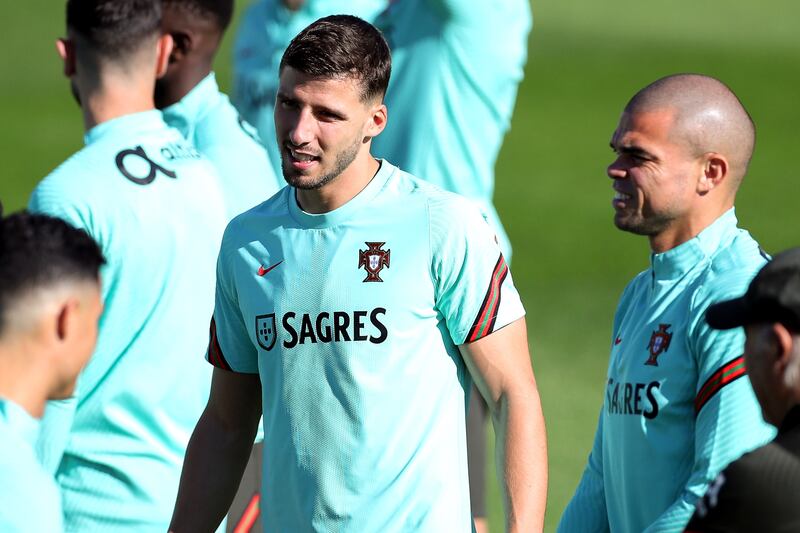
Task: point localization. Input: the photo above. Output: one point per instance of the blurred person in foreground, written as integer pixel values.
(265, 30)
(457, 66)
(678, 406)
(152, 203)
(49, 308)
(352, 308)
(758, 492)
(192, 103)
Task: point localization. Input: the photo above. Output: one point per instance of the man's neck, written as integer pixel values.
(21, 380)
(342, 189)
(113, 99)
(176, 85)
(685, 230)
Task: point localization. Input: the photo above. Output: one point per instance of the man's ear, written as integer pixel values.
(377, 122)
(65, 319)
(715, 171)
(782, 339)
(164, 50)
(66, 51)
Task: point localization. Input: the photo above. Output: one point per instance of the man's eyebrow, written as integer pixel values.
(633, 150)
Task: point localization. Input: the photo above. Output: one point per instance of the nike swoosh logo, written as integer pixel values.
(617, 340)
(262, 271)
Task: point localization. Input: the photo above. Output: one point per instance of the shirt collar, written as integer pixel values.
(345, 212)
(186, 113)
(679, 260)
(131, 123)
(19, 421)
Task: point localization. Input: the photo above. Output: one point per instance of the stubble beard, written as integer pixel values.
(638, 224)
(343, 160)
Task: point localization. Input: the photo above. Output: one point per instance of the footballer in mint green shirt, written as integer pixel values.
(678, 406)
(456, 66)
(154, 206)
(353, 308)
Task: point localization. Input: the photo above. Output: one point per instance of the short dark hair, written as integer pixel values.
(220, 10)
(114, 28)
(342, 46)
(39, 251)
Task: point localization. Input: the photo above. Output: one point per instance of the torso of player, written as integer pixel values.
(153, 204)
(362, 386)
(456, 66)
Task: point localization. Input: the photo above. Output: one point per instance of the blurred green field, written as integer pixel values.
(570, 264)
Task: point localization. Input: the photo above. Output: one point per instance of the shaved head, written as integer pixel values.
(708, 117)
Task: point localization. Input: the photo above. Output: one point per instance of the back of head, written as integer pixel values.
(342, 46)
(709, 117)
(114, 29)
(218, 11)
(38, 255)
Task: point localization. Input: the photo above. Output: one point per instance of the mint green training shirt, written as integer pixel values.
(265, 30)
(153, 204)
(29, 499)
(678, 405)
(456, 65)
(352, 318)
(208, 120)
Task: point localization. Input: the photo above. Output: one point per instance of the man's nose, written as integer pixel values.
(302, 132)
(616, 170)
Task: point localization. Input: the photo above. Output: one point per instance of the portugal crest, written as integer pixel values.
(373, 259)
(265, 331)
(659, 343)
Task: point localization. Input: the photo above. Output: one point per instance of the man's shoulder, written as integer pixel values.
(264, 217)
(439, 202)
(223, 124)
(730, 270)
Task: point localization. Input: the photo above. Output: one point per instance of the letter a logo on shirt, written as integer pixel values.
(373, 259)
(659, 343)
(265, 331)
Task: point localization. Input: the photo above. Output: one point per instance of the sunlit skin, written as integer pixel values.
(324, 133)
(663, 189)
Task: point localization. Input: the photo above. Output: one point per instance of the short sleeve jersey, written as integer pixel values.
(152, 203)
(456, 66)
(29, 499)
(265, 30)
(208, 120)
(678, 405)
(352, 319)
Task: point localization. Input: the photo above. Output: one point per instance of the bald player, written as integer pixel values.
(191, 102)
(678, 406)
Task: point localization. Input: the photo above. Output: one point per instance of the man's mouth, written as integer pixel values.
(621, 199)
(300, 159)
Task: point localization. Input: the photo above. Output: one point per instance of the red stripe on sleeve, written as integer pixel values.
(215, 356)
(730, 372)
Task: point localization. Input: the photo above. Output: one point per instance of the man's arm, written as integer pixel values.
(586, 511)
(218, 452)
(501, 367)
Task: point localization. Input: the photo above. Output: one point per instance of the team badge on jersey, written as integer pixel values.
(373, 259)
(659, 343)
(265, 331)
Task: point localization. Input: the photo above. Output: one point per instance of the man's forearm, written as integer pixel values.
(212, 470)
(521, 456)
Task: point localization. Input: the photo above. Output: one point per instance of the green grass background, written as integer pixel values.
(570, 264)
